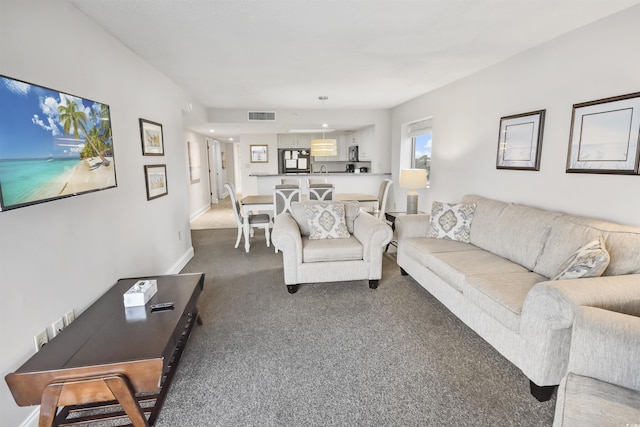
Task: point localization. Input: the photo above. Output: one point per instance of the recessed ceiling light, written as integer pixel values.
(212, 130)
(230, 139)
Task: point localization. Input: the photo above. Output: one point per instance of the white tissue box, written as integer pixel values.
(140, 293)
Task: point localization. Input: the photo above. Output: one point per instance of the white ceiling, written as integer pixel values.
(362, 54)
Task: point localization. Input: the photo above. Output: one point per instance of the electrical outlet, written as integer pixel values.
(57, 327)
(69, 317)
(41, 339)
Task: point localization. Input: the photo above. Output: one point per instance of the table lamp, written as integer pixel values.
(413, 179)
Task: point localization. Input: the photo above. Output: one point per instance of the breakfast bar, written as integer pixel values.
(343, 182)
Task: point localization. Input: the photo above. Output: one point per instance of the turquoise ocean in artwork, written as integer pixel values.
(25, 181)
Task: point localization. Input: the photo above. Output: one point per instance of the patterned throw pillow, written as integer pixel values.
(326, 221)
(591, 260)
(451, 221)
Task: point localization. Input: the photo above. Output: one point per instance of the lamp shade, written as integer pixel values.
(413, 178)
(324, 147)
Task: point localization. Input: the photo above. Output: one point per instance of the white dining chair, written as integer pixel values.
(283, 196)
(255, 221)
(321, 192)
(383, 193)
(290, 181)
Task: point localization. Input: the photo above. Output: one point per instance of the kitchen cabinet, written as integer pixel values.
(291, 140)
(364, 139)
(365, 144)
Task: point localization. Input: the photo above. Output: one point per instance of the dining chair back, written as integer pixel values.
(255, 221)
(321, 192)
(290, 181)
(383, 193)
(283, 195)
(312, 181)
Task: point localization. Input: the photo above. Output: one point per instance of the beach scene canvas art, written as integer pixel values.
(52, 145)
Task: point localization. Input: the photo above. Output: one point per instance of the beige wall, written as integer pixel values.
(597, 61)
(64, 254)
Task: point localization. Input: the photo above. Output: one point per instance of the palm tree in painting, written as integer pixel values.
(75, 120)
(71, 118)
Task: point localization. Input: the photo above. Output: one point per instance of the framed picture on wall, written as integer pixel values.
(156, 181)
(259, 153)
(605, 136)
(151, 136)
(520, 141)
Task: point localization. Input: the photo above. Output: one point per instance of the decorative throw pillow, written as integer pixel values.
(451, 221)
(591, 260)
(326, 221)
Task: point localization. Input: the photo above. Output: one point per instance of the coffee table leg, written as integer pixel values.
(49, 404)
(119, 386)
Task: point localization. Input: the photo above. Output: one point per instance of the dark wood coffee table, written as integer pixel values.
(112, 356)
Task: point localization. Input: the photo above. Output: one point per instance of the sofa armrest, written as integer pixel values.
(606, 346)
(555, 302)
(549, 312)
(373, 234)
(409, 226)
(286, 237)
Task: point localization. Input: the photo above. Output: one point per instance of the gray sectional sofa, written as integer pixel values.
(498, 283)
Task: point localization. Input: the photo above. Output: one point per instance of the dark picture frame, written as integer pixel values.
(520, 141)
(155, 178)
(259, 153)
(151, 137)
(605, 136)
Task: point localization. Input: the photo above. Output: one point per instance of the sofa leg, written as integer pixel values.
(404, 273)
(542, 393)
(373, 284)
(292, 289)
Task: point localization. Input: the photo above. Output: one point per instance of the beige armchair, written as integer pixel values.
(357, 257)
(602, 385)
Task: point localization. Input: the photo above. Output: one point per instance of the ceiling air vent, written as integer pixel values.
(261, 116)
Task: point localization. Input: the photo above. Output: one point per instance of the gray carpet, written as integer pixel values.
(333, 354)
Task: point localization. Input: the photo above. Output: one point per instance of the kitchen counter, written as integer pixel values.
(320, 174)
(344, 182)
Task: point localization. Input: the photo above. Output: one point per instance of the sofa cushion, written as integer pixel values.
(486, 219)
(351, 209)
(519, 234)
(568, 233)
(326, 221)
(331, 249)
(589, 261)
(502, 295)
(451, 221)
(454, 267)
(418, 245)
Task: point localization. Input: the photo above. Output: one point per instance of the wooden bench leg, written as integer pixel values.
(120, 388)
(49, 405)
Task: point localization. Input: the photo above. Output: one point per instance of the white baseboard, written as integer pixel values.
(199, 212)
(32, 419)
(179, 265)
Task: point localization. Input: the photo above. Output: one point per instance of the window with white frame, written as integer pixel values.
(420, 134)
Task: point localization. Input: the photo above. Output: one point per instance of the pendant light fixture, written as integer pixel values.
(324, 147)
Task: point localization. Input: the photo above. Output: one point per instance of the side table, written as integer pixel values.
(391, 217)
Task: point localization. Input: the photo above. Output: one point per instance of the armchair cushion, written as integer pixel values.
(331, 249)
(326, 221)
(299, 213)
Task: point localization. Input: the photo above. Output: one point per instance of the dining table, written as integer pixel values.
(264, 202)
